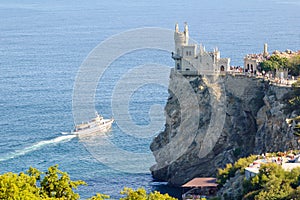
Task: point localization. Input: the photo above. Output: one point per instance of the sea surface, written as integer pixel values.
(43, 44)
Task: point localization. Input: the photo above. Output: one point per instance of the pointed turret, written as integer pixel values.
(186, 28)
(176, 28)
(201, 49)
(186, 33)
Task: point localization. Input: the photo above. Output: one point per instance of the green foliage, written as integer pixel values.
(158, 196)
(295, 195)
(281, 61)
(33, 172)
(292, 104)
(273, 63)
(294, 65)
(272, 182)
(242, 163)
(297, 130)
(141, 194)
(224, 174)
(251, 195)
(99, 196)
(277, 62)
(54, 184)
(57, 185)
(22, 186)
(230, 170)
(268, 65)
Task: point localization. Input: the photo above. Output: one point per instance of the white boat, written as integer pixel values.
(94, 126)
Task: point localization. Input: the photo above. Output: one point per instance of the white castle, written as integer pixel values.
(191, 61)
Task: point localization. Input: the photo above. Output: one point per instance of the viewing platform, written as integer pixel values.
(282, 82)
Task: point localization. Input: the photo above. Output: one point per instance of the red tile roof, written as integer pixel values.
(201, 182)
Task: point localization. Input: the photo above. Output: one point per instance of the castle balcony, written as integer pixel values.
(189, 72)
(176, 56)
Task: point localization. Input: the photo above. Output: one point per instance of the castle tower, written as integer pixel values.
(180, 40)
(265, 53)
(189, 61)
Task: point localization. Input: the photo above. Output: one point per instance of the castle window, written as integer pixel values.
(190, 53)
(222, 68)
(187, 53)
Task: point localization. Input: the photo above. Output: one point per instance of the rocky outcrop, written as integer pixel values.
(233, 188)
(213, 121)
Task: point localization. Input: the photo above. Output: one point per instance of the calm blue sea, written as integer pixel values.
(43, 43)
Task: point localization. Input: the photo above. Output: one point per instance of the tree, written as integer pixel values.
(230, 170)
(294, 65)
(292, 99)
(272, 182)
(268, 65)
(99, 196)
(281, 61)
(54, 184)
(141, 194)
(18, 186)
(58, 184)
(273, 63)
(242, 163)
(158, 196)
(225, 174)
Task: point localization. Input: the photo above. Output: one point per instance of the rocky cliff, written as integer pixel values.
(211, 121)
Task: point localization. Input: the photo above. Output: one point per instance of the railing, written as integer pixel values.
(273, 81)
(176, 56)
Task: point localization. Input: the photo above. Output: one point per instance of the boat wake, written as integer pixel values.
(37, 146)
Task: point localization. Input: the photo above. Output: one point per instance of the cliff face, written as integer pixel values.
(237, 116)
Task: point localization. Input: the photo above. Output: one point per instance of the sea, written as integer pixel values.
(43, 45)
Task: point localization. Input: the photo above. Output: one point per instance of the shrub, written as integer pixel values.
(230, 170)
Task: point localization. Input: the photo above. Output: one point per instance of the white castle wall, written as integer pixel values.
(194, 58)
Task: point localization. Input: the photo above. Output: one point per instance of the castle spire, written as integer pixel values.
(186, 33)
(201, 49)
(185, 27)
(176, 28)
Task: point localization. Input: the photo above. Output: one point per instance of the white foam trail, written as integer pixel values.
(37, 146)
